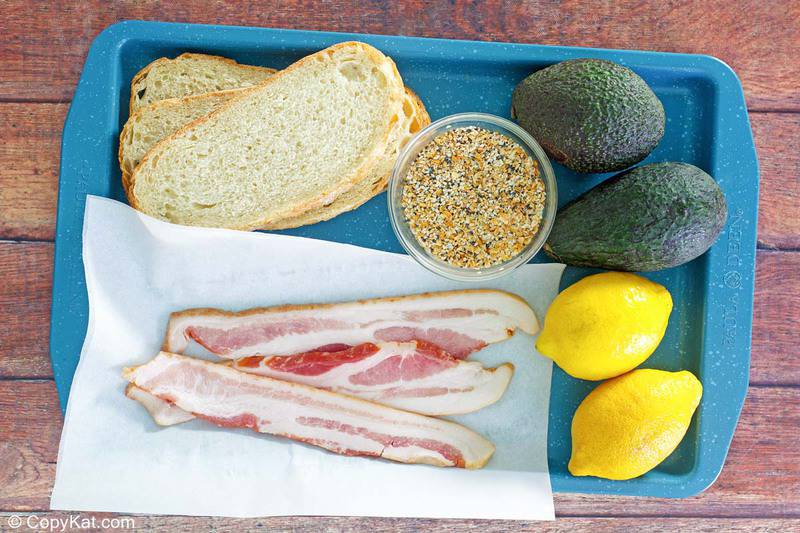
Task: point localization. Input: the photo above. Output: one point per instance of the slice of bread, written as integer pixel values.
(152, 123)
(190, 74)
(157, 121)
(415, 117)
(289, 145)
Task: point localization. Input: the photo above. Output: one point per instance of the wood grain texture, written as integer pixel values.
(42, 48)
(30, 428)
(26, 273)
(777, 137)
(302, 524)
(45, 43)
(30, 148)
(27, 269)
(762, 484)
(775, 357)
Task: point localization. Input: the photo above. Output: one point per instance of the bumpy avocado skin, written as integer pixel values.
(648, 218)
(591, 115)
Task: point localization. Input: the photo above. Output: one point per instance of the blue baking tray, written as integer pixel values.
(707, 125)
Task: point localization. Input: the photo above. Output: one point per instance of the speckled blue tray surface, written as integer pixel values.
(707, 125)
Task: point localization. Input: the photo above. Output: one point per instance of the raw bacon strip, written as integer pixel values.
(349, 426)
(414, 376)
(459, 322)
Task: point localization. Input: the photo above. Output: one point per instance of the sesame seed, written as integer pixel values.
(473, 197)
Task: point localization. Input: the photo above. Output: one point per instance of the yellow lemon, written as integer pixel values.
(628, 425)
(605, 325)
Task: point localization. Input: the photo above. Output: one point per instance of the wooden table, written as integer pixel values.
(42, 49)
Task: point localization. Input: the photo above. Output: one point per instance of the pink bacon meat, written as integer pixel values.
(345, 425)
(459, 322)
(415, 376)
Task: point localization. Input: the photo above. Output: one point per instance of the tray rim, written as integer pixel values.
(104, 53)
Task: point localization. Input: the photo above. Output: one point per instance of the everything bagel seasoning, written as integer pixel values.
(473, 197)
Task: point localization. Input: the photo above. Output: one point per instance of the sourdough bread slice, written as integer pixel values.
(289, 145)
(190, 74)
(157, 121)
(152, 123)
(415, 117)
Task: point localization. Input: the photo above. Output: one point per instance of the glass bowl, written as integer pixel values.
(409, 154)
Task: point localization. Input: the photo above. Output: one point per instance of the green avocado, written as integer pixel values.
(648, 218)
(590, 115)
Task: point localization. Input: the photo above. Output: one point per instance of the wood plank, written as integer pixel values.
(760, 477)
(29, 439)
(758, 39)
(775, 356)
(29, 160)
(299, 524)
(779, 196)
(27, 271)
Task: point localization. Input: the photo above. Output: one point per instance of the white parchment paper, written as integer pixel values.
(113, 457)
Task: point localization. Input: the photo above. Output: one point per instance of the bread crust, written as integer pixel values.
(142, 74)
(423, 118)
(393, 110)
